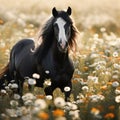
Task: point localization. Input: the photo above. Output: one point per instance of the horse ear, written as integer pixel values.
(54, 12)
(69, 10)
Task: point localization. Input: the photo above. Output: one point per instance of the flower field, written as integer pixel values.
(96, 80)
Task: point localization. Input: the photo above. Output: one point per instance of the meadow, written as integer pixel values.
(96, 80)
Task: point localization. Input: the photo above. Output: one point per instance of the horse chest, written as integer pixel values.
(51, 69)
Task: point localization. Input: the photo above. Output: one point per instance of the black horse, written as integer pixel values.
(58, 37)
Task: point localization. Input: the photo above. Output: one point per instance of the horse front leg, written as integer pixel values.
(49, 90)
(67, 91)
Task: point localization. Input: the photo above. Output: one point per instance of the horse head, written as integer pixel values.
(62, 28)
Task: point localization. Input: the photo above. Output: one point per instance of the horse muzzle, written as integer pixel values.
(63, 46)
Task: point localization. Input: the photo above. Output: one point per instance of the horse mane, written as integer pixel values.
(47, 36)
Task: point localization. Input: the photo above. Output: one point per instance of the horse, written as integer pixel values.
(58, 38)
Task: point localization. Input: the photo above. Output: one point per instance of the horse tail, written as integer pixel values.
(4, 75)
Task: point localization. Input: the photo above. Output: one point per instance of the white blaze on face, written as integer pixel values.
(62, 37)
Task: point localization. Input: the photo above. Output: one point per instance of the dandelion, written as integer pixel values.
(3, 91)
(98, 67)
(11, 112)
(115, 54)
(28, 102)
(115, 76)
(85, 88)
(49, 97)
(19, 112)
(36, 76)
(117, 66)
(14, 103)
(68, 106)
(117, 99)
(16, 96)
(7, 88)
(115, 84)
(117, 91)
(47, 82)
(102, 29)
(67, 89)
(28, 96)
(75, 114)
(24, 110)
(94, 98)
(2, 44)
(14, 86)
(31, 81)
(59, 102)
(58, 112)
(43, 115)
(74, 107)
(40, 104)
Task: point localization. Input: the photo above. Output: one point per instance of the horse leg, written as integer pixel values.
(19, 82)
(49, 90)
(67, 92)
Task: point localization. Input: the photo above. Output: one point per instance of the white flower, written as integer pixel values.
(28, 96)
(117, 66)
(19, 112)
(67, 89)
(74, 107)
(94, 98)
(115, 54)
(31, 81)
(36, 76)
(2, 44)
(7, 88)
(47, 82)
(3, 91)
(16, 96)
(59, 102)
(117, 99)
(85, 88)
(28, 102)
(117, 91)
(11, 112)
(102, 29)
(14, 86)
(115, 84)
(13, 103)
(35, 110)
(93, 78)
(40, 103)
(75, 114)
(49, 97)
